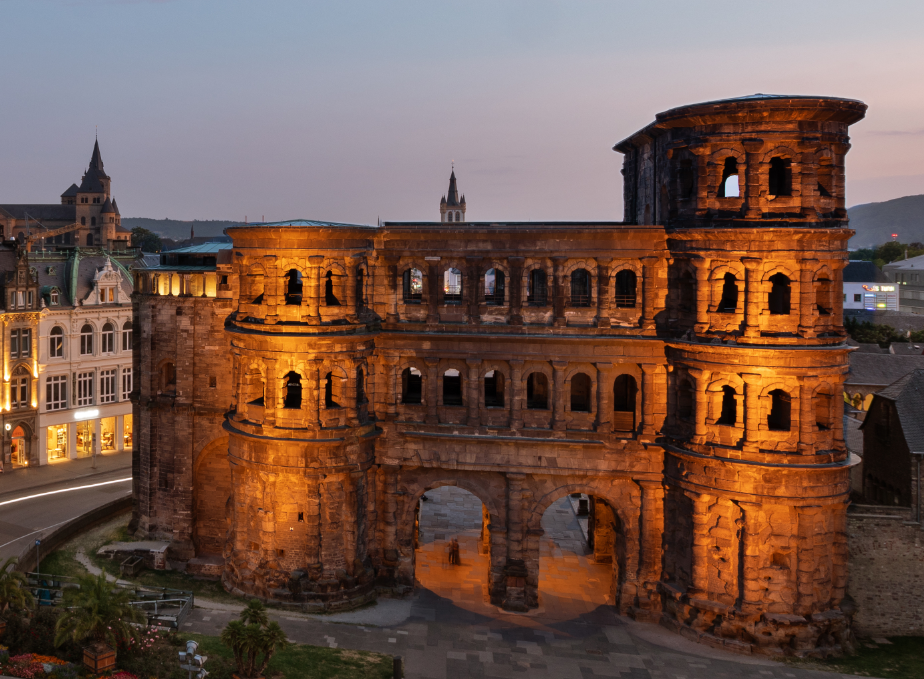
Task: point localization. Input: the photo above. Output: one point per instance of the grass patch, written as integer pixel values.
(302, 662)
(902, 659)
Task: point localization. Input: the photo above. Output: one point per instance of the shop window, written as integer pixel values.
(494, 389)
(86, 340)
(580, 288)
(537, 392)
(107, 339)
(626, 283)
(413, 286)
(107, 386)
(728, 186)
(56, 442)
(452, 388)
(729, 413)
(127, 336)
(779, 418)
(779, 298)
(625, 390)
(293, 391)
(331, 391)
(127, 432)
(84, 438)
(580, 393)
(537, 288)
(56, 392)
(685, 400)
(293, 287)
(107, 434)
(729, 302)
(494, 287)
(824, 296)
(330, 297)
(452, 286)
(56, 342)
(411, 386)
(780, 177)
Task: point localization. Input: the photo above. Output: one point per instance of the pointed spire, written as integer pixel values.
(452, 196)
(96, 160)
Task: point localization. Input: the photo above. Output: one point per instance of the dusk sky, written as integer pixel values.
(351, 111)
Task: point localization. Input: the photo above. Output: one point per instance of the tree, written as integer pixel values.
(98, 611)
(14, 594)
(148, 241)
(252, 636)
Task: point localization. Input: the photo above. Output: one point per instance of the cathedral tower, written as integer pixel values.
(452, 208)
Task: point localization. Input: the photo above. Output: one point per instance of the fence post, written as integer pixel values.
(398, 667)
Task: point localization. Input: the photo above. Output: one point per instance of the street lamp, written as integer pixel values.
(192, 662)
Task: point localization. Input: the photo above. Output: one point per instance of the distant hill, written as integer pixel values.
(176, 229)
(876, 222)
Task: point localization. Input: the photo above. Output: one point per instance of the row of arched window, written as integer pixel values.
(779, 298)
(106, 338)
(332, 384)
(779, 177)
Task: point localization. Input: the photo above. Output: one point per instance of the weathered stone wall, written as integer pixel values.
(886, 570)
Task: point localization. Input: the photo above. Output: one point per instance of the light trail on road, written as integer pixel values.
(64, 490)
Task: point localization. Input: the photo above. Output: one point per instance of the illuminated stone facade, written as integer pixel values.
(683, 368)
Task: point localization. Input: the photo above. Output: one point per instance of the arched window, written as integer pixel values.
(90, 236)
(624, 393)
(452, 285)
(687, 292)
(580, 393)
(293, 391)
(626, 283)
(452, 388)
(825, 176)
(729, 302)
(780, 177)
(824, 296)
(256, 280)
(19, 388)
(728, 187)
(494, 287)
(107, 339)
(127, 336)
(537, 392)
(580, 287)
(537, 288)
(168, 377)
(494, 389)
(411, 386)
(86, 340)
(413, 286)
(55, 297)
(83, 221)
(331, 391)
(686, 178)
(729, 414)
(779, 294)
(294, 287)
(56, 342)
(823, 403)
(450, 216)
(779, 418)
(330, 299)
(685, 400)
(360, 289)
(360, 387)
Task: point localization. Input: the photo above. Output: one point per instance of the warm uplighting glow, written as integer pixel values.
(86, 414)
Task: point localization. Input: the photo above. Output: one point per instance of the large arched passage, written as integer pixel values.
(211, 491)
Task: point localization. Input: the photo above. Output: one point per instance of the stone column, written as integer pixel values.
(315, 396)
(702, 295)
(838, 287)
(558, 291)
(750, 568)
(473, 289)
(751, 193)
(515, 290)
(392, 392)
(516, 569)
(388, 279)
(314, 288)
(604, 296)
(752, 386)
(270, 288)
(702, 404)
(515, 393)
(653, 393)
(652, 528)
(473, 387)
(271, 398)
(753, 297)
(433, 381)
(807, 426)
(649, 290)
(558, 396)
(349, 283)
(702, 542)
(807, 297)
(604, 397)
(390, 518)
(185, 285)
(313, 527)
(433, 289)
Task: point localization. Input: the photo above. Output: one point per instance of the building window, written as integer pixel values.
(86, 340)
(56, 343)
(452, 388)
(779, 418)
(20, 299)
(126, 383)
(106, 295)
(685, 400)
(293, 287)
(728, 187)
(537, 392)
(56, 392)
(85, 389)
(107, 339)
(494, 287)
(494, 389)
(413, 286)
(452, 285)
(729, 302)
(729, 414)
(107, 386)
(83, 220)
(331, 391)
(537, 288)
(780, 178)
(857, 298)
(625, 389)
(330, 297)
(626, 283)
(580, 288)
(90, 236)
(411, 386)
(30, 299)
(14, 343)
(127, 336)
(19, 388)
(168, 378)
(54, 297)
(779, 294)
(580, 393)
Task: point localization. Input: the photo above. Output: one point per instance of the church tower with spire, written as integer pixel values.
(452, 209)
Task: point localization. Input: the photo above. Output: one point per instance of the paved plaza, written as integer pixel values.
(449, 630)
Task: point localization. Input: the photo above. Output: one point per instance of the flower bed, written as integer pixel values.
(33, 665)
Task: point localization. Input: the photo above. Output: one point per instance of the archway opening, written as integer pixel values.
(729, 302)
(19, 455)
(452, 547)
(580, 556)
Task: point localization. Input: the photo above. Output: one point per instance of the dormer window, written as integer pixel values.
(54, 297)
(106, 295)
(20, 299)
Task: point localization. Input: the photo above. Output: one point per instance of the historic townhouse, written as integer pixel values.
(300, 391)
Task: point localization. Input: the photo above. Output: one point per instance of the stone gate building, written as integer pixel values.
(298, 392)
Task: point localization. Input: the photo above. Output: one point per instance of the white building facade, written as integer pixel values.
(867, 288)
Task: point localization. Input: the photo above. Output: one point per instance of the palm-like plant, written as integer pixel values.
(98, 612)
(14, 593)
(251, 636)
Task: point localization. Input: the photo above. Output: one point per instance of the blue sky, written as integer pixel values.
(351, 111)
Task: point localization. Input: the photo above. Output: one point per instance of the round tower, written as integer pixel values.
(751, 193)
(301, 440)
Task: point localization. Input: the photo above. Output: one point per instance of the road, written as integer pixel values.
(49, 496)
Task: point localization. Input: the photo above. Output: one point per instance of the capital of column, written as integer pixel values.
(751, 263)
(473, 362)
(559, 365)
(431, 361)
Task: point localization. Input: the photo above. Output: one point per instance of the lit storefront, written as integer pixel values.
(71, 434)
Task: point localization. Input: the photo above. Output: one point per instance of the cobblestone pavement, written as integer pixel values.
(449, 631)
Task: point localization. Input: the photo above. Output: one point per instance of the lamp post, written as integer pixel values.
(192, 662)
